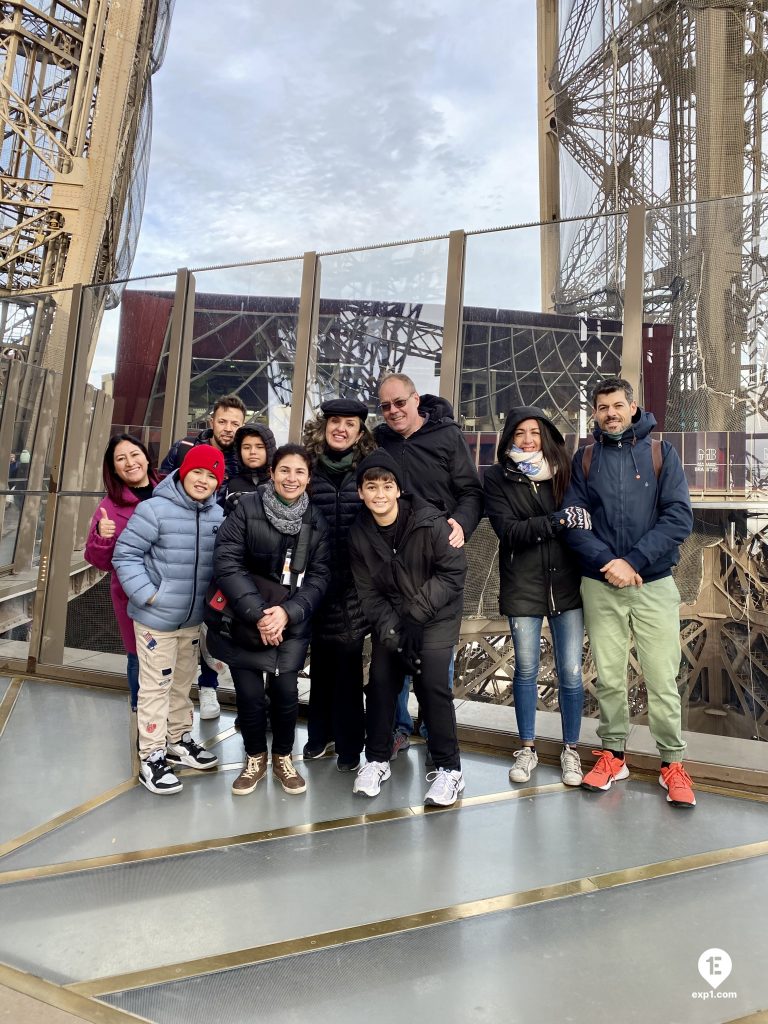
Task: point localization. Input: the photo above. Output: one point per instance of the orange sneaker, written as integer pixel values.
(678, 785)
(608, 769)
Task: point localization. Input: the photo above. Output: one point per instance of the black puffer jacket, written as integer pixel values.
(340, 617)
(436, 464)
(538, 573)
(424, 579)
(248, 543)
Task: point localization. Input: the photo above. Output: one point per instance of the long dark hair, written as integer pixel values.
(559, 462)
(112, 482)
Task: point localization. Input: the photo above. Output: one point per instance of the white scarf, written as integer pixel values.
(533, 464)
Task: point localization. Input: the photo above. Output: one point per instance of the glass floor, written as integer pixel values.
(522, 903)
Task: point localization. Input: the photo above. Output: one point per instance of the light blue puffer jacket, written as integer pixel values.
(167, 550)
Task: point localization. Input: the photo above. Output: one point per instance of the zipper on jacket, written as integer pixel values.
(197, 555)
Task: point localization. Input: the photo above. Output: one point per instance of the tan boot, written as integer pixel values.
(286, 774)
(253, 772)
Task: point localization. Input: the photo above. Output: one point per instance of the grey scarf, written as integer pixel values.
(284, 518)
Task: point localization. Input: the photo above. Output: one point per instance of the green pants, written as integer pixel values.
(651, 613)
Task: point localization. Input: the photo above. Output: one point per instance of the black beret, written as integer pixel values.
(345, 407)
(379, 459)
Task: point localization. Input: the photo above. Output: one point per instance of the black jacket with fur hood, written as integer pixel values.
(538, 573)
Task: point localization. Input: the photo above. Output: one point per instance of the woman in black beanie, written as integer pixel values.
(337, 439)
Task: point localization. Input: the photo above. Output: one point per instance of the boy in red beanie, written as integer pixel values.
(164, 561)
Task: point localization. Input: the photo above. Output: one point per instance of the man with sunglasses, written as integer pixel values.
(434, 461)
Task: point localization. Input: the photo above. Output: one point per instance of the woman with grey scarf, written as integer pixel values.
(271, 566)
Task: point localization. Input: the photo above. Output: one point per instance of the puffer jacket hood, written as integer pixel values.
(436, 409)
(517, 415)
(266, 435)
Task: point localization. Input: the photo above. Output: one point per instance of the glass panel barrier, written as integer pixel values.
(705, 305)
(244, 341)
(381, 311)
(125, 343)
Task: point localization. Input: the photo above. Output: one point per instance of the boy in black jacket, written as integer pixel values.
(410, 582)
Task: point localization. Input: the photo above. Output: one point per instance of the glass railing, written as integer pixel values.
(542, 321)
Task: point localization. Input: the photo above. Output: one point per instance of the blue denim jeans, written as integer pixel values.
(403, 720)
(567, 631)
(132, 672)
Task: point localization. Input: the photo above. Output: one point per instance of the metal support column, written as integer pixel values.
(453, 320)
(306, 332)
(50, 605)
(176, 407)
(30, 516)
(549, 152)
(632, 348)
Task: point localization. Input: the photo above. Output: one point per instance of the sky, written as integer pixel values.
(321, 124)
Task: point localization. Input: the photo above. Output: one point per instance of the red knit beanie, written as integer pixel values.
(204, 456)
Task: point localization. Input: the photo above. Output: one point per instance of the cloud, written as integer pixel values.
(285, 127)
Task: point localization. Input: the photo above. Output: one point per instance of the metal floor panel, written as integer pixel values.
(627, 954)
(174, 909)
(207, 809)
(61, 746)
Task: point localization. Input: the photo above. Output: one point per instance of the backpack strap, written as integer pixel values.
(657, 455)
(586, 459)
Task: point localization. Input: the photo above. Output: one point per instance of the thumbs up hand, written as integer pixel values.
(105, 526)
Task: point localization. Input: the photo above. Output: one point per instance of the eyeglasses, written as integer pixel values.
(399, 403)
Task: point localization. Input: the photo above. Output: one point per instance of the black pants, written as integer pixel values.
(251, 709)
(336, 710)
(434, 696)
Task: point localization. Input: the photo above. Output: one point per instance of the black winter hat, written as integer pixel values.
(344, 407)
(380, 459)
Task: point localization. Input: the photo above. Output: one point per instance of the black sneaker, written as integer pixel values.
(312, 753)
(188, 751)
(156, 775)
(347, 766)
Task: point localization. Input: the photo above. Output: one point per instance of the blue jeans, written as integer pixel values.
(132, 672)
(567, 631)
(403, 720)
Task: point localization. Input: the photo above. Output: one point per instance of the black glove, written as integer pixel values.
(411, 639)
(572, 518)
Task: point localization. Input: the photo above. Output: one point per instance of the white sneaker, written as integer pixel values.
(446, 788)
(209, 703)
(156, 775)
(370, 778)
(525, 761)
(188, 751)
(570, 762)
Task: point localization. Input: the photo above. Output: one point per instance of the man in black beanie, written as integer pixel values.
(410, 581)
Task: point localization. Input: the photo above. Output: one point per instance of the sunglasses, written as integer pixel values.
(399, 403)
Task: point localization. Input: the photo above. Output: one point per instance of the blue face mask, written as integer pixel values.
(614, 437)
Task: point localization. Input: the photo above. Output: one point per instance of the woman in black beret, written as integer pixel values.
(337, 439)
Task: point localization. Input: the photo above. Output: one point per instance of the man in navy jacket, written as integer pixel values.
(635, 490)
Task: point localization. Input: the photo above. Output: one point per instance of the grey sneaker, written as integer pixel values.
(570, 762)
(370, 778)
(525, 761)
(188, 751)
(399, 742)
(446, 787)
(253, 772)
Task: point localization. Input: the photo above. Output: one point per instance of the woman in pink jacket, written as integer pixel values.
(129, 477)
